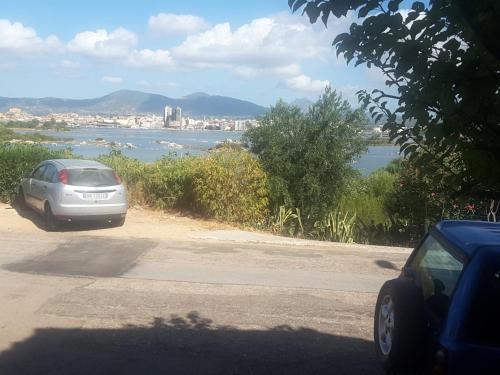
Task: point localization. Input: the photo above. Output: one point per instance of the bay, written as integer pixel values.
(151, 144)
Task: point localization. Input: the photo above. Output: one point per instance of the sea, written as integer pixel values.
(151, 144)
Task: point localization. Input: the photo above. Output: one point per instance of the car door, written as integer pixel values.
(36, 193)
(48, 187)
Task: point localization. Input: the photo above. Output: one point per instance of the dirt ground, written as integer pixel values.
(140, 222)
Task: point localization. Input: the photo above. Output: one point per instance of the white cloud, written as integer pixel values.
(69, 64)
(169, 23)
(306, 83)
(147, 58)
(118, 46)
(112, 79)
(274, 44)
(16, 37)
(104, 44)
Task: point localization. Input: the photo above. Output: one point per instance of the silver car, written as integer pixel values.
(72, 190)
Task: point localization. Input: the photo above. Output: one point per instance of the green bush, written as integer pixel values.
(336, 226)
(366, 196)
(18, 159)
(132, 172)
(169, 183)
(308, 156)
(231, 185)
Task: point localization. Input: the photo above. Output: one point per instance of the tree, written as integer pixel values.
(307, 156)
(442, 64)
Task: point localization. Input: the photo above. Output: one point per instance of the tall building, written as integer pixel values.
(167, 116)
(178, 116)
(172, 118)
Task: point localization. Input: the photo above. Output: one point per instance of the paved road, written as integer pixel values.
(88, 303)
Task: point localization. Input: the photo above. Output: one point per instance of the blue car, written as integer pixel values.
(442, 315)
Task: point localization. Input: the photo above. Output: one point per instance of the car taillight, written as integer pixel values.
(117, 178)
(63, 176)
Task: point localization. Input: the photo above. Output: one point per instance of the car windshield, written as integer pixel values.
(91, 177)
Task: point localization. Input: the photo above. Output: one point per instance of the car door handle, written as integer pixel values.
(45, 186)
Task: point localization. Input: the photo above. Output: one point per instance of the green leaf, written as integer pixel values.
(312, 12)
(393, 5)
(297, 4)
(418, 6)
(370, 5)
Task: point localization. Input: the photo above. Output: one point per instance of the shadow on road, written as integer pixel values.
(38, 220)
(386, 264)
(190, 345)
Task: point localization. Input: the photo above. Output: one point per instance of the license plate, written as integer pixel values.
(95, 195)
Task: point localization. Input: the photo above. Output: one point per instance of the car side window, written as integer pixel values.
(437, 270)
(48, 174)
(483, 323)
(38, 173)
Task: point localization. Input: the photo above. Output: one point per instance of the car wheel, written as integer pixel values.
(19, 199)
(51, 224)
(400, 326)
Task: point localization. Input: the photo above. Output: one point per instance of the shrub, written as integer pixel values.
(169, 183)
(132, 172)
(336, 226)
(308, 155)
(367, 196)
(231, 185)
(18, 159)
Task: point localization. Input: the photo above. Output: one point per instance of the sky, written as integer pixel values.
(252, 50)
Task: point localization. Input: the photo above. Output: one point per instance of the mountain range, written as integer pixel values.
(137, 102)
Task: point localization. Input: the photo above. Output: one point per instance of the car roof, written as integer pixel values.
(78, 163)
(468, 235)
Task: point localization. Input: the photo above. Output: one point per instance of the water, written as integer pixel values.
(193, 142)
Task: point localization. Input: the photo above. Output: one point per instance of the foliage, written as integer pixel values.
(336, 226)
(288, 221)
(21, 124)
(18, 159)
(366, 196)
(230, 185)
(169, 183)
(419, 201)
(32, 124)
(308, 156)
(131, 171)
(442, 63)
(10, 135)
(227, 184)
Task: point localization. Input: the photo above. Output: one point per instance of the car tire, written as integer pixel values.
(51, 224)
(19, 200)
(400, 327)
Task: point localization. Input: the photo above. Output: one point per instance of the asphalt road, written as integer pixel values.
(88, 303)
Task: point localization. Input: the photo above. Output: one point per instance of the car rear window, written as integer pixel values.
(91, 177)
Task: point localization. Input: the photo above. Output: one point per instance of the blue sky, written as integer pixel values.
(253, 50)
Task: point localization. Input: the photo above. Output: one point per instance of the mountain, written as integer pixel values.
(131, 102)
(302, 103)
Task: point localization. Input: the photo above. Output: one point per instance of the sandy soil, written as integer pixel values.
(140, 223)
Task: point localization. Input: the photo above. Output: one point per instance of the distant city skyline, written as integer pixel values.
(256, 51)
